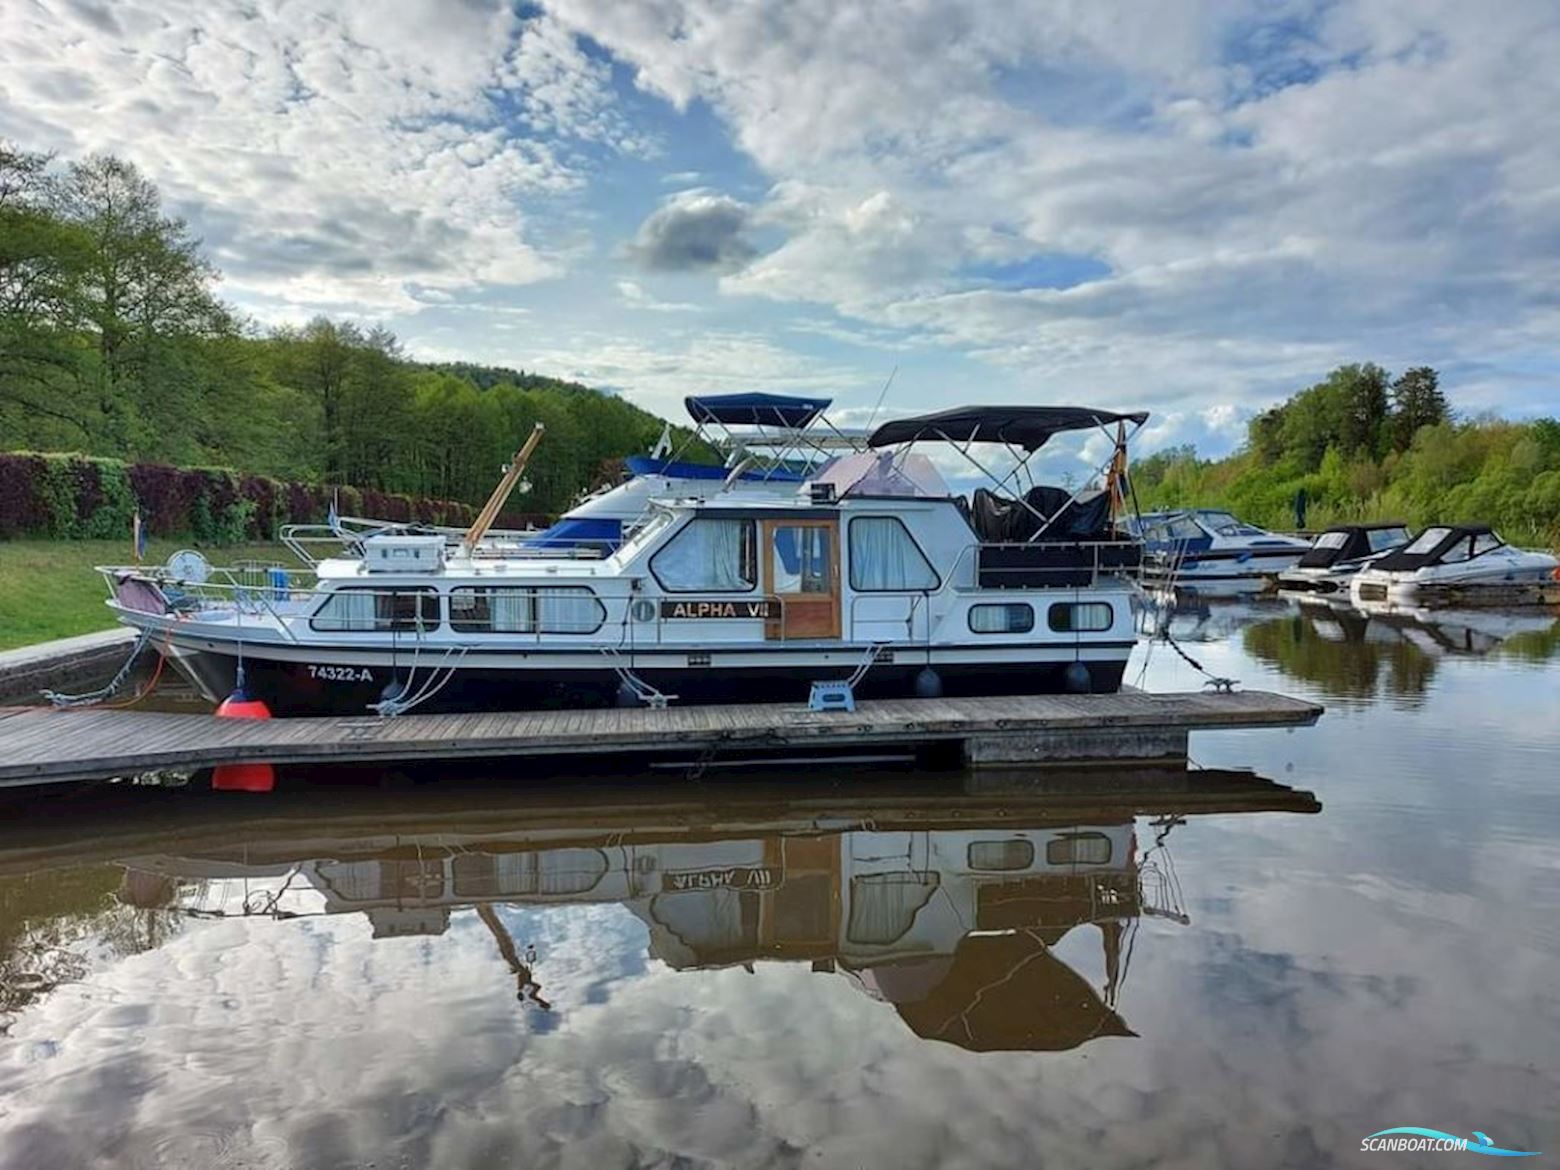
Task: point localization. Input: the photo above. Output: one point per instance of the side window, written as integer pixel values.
(1007, 618)
(708, 555)
(1485, 543)
(884, 557)
(1458, 551)
(1089, 617)
(502, 609)
(364, 610)
(1078, 849)
(1016, 853)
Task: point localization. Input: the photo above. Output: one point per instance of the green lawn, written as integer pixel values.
(48, 589)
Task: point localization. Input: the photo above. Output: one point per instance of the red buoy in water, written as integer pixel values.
(243, 777)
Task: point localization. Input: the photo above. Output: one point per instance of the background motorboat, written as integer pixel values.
(1451, 556)
(1209, 550)
(1337, 554)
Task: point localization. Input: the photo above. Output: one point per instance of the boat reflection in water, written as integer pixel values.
(950, 906)
(1390, 650)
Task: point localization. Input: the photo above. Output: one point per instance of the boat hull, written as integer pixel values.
(347, 687)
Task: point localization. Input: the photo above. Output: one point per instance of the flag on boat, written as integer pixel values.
(138, 536)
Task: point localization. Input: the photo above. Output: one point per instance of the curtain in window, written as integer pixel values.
(348, 610)
(709, 919)
(883, 906)
(883, 557)
(567, 611)
(510, 611)
(707, 554)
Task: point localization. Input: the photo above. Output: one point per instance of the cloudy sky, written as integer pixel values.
(1194, 207)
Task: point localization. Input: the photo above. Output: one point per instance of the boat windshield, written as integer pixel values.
(1381, 539)
(1225, 524)
(1331, 540)
(1427, 540)
(645, 531)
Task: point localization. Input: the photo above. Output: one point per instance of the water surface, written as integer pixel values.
(1312, 936)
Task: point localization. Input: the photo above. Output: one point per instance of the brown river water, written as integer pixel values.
(1304, 939)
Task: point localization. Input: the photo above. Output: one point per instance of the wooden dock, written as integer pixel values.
(44, 746)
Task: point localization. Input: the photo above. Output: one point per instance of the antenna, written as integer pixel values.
(881, 394)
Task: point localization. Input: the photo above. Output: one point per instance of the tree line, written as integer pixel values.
(113, 342)
(1364, 445)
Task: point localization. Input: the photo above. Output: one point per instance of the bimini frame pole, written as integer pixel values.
(501, 493)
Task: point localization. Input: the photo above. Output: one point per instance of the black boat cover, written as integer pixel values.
(1356, 544)
(1027, 427)
(1406, 561)
(769, 410)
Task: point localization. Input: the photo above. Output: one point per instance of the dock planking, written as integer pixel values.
(43, 746)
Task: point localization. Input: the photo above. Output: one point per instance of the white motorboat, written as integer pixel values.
(1337, 554)
(1459, 555)
(872, 571)
(1210, 551)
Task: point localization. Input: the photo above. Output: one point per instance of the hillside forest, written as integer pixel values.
(113, 342)
(1364, 445)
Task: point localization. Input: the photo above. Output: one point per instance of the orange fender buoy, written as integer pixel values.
(243, 777)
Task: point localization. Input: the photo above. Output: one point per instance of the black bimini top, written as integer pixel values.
(1431, 545)
(1348, 542)
(1027, 427)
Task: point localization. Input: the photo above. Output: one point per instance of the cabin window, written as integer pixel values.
(883, 906)
(1001, 855)
(1078, 849)
(1331, 540)
(368, 610)
(709, 555)
(1382, 539)
(884, 557)
(548, 873)
(501, 609)
(1089, 617)
(1008, 618)
(1485, 542)
(802, 558)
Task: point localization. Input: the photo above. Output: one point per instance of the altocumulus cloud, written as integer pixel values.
(693, 231)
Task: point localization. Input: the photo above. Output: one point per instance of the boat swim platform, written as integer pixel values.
(40, 745)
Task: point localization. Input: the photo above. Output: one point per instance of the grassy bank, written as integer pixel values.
(48, 589)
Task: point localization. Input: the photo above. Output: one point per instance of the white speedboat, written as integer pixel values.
(1210, 551)
(1446, 556)
(1337, 554)
(872, 569)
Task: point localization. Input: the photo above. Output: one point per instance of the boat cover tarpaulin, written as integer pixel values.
(1026, 427)
(766, 410)
(1430, 546)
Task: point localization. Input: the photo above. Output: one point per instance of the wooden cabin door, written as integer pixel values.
(802, 578)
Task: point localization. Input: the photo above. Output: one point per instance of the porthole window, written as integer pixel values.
(1014, 617)
(1089, 617)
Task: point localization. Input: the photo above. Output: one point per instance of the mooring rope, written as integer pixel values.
(91, 698)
